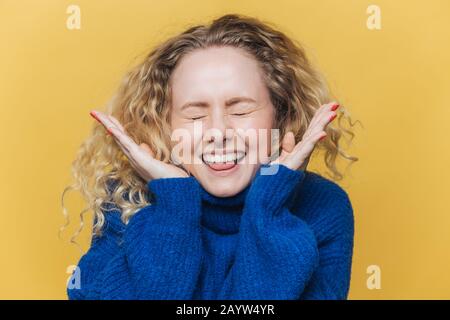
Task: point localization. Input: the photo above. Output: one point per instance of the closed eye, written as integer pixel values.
(240, 113)
(197, 118)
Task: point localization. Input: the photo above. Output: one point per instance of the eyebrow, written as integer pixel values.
(229, 102)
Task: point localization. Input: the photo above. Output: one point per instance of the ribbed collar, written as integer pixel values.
(222, 215)
(235, 200)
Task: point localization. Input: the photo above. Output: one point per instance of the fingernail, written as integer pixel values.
(322, 138)
(335, 106)
(332, 117)
(92, 113)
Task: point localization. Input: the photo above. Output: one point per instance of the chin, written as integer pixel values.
(224, 190)
(223, 181)
(225, 185)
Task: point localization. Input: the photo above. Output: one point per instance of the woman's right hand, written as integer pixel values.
(141, 157)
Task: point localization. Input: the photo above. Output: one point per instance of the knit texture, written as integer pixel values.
(285, 236)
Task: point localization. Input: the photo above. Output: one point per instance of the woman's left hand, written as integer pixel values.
(296, 156)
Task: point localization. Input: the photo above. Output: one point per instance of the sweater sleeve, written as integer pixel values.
(102, 249)
(335, 232)
(159, 257)
(277, 252)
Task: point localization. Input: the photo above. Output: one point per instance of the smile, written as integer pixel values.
(224, 163)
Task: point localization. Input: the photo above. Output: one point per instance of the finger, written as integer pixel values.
(121, 146)
(304, 148)
(321, 122)
(322, 112)
(125, 141)
(129, 147)
(318, 113)
(109, 121)
(94, 115)
(117, 123)
(138, 156)
(102, 119)
(147, 149)
(331, 106)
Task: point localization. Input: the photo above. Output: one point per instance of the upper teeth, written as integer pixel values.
(223, 158)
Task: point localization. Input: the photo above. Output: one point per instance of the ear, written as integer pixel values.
(288, 142)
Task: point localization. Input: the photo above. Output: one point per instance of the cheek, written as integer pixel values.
(260, 147)
(182, 142)
(254, 123)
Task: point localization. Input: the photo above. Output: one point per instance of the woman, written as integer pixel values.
(233, 215)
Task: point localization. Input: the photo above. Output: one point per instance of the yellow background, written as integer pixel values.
(394, 80)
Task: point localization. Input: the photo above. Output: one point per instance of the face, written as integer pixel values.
(222, 111)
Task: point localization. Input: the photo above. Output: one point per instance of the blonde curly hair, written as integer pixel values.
(142, 105)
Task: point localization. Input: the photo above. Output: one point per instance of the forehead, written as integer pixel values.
(216, 71)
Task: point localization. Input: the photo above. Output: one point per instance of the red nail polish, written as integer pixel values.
(335, 106)
(332, 118)
(94, 116)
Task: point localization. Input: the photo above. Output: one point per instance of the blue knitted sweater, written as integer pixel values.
(285, 236)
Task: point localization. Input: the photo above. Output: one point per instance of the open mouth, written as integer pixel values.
(223, 162)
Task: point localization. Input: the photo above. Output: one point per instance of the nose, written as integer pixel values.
(219, 130)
